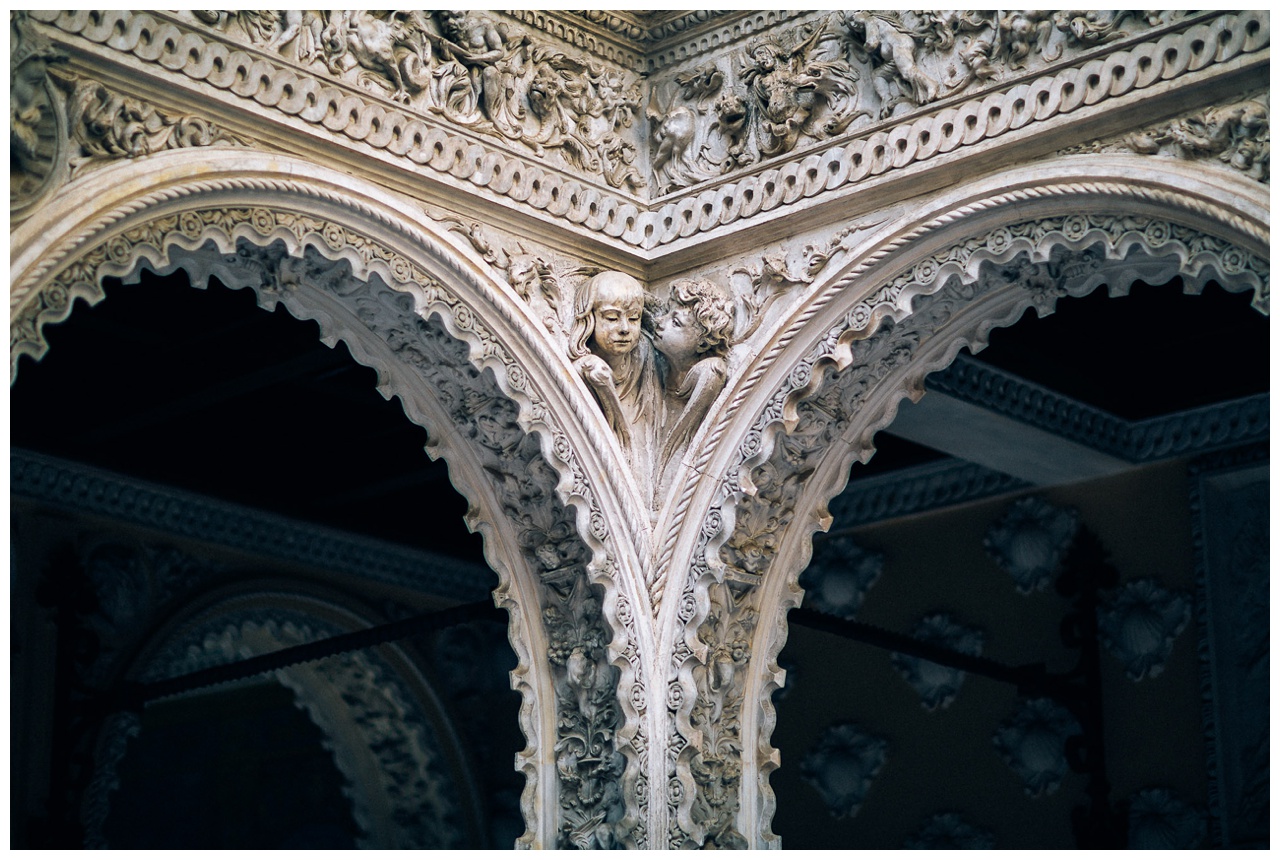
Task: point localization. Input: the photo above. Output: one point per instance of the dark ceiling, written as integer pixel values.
(205, 391)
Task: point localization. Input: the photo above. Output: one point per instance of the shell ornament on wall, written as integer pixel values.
(938, 685)
(1030, 540)
(1032, 742)
(1160, 819)
(842, 765)
(1139, 623)
(840, 575)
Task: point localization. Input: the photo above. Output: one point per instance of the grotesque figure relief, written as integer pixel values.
(494, 61)
(793, 86)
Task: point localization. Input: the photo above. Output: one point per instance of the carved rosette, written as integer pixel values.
(1139, 623)
(938, 685)
(840, 575)
(842, 765)
(1033, 743)
(949, 831)
(1030, 540)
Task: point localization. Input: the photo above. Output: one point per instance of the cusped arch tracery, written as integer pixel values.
(520, 442)
(839, 367)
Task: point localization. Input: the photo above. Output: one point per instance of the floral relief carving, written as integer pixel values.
(583, 132)
(842, 765)
(511, 459)
(716, 763)
(587, 760)
(938, 685)
(831, 75)
(1139, 623)
(472, 70)
(1030, 264)
(1033, 743)
(1030, 540)
(1237, 134)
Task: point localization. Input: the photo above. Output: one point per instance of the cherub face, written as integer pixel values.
(616, 317)
(676, 335)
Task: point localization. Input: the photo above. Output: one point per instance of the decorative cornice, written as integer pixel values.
(949, 482)
(1195, 430)
(918, 489)
(1184, 47)
(76, 487)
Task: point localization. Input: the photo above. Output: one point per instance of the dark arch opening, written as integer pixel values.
(205, 393)
(907, 545)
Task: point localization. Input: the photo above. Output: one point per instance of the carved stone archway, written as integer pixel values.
(445, 210)
(389, 736)
(523, 446)
(900, 307)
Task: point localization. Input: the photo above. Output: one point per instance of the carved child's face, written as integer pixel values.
(676, 334)
(616, 316)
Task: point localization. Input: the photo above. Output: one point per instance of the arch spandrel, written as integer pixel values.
(836, 370)
(393, 286)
